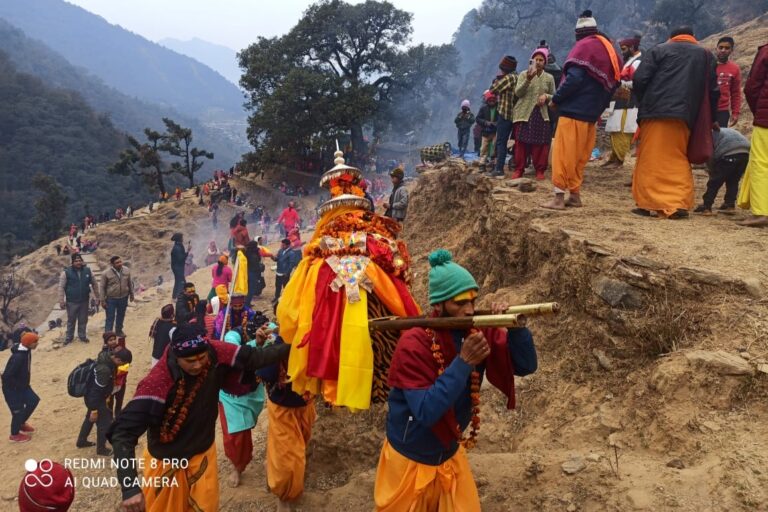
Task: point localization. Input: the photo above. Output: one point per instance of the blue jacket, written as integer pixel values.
(580, 96)
(413, 412)
(287, 260)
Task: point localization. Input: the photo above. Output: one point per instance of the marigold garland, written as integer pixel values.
(167, 432)
(228, 324)
(474, 388)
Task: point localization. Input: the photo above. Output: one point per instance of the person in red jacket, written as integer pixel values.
(729, 81)
(289, 218)
(240, 234)
(753, 194)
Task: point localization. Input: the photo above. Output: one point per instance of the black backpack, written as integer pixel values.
(80, 378)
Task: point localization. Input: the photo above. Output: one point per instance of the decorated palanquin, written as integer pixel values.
(353, 269)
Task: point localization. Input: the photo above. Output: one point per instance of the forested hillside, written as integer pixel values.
(128, 113)
(127, 61)
(216, 56)
(54, 132)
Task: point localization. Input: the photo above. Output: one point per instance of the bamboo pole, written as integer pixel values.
(462, 322)
(546, 308)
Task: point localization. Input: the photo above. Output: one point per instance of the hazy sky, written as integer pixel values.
(237, 23)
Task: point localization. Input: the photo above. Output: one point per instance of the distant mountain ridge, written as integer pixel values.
(126, 61)
(127, 113)
(53, 131)
(218, 57)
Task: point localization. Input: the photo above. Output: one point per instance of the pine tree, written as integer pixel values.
(51, 208)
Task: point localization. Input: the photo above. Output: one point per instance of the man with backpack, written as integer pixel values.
(96, 381)
(18, 394)
(75, 285)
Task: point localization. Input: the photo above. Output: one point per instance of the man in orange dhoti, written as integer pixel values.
(291, 417)
(590, 75)
(435, 380)
(669, 87)
(177, 405)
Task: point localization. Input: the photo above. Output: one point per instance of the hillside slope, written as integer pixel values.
(54, 132)
(127, 113)
(219, 58)
(127, 61)
(687, 424)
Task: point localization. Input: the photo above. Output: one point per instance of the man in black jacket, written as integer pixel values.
(670, 86)
(98, 391)
(160, 332)
(75, 285)
(186, 304)
(18, 394)
(178, 260)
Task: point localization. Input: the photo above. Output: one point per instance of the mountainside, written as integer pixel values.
(54, 132)
(126, 112)
(218, 57)
(127, 61)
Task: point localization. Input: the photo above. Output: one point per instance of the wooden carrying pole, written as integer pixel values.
(547, 308)
(460, 322)
(515, 316)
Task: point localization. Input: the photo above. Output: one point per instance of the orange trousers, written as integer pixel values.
(288, 434)
(193, 489)
(573, 144)
(403, 485)
(663, 180)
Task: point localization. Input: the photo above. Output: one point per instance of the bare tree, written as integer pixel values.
(12, 286)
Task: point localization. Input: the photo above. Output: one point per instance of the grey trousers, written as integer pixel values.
(77, 312)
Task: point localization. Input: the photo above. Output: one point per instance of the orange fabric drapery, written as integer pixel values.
(663, 180)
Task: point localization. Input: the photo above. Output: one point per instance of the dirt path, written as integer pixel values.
(656, 410)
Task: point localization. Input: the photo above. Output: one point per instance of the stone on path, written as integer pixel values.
(720, 362)
(573, 465)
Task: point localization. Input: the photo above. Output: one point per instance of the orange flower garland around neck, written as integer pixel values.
(167, 432)
(471, 441)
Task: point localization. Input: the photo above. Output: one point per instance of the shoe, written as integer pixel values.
(104, 452)
(67, 342)
(540, 176)
(679, 214)
(27, 428)
(85, 444)
(727, 209)
(84, 340)
(703, 209)
(642, 212)
(120, 334)
(517, 174)
(20, 438)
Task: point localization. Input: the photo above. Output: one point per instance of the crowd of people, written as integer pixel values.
(677, 101)
(219, 358)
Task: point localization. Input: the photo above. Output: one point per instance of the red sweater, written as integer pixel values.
(729, 80)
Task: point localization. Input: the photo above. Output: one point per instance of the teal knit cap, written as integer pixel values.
(446, 278)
